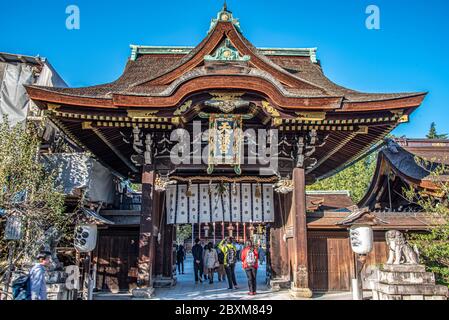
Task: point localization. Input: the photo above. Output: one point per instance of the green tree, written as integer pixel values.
(183, 232)
(434, 244)
(433, 133)
(356, 178)
(28, 191)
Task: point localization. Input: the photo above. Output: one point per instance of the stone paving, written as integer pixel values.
(186, 289)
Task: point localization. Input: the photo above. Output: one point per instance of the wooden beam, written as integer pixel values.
(114, 149)
(362, 130)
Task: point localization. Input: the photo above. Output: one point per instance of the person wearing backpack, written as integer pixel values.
(250, 265)
(37, 277)
(230, 258)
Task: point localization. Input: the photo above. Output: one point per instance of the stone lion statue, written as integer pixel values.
(399, 250)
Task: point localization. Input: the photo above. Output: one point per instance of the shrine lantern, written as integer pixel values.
(251, 230)
(361, 237)
(85, 238)
(230, 230)
(206, 231)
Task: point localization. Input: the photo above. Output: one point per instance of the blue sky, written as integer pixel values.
(410, 52)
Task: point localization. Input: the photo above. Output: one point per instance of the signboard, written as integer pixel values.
(13, 230)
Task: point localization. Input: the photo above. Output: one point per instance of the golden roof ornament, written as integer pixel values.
(226, 16)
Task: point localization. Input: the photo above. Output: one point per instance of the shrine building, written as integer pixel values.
(226, 136)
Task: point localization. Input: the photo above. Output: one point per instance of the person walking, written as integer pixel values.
(238, 247)
(180, 257)
(261, 253)
(37, 277)
(230, 258)
(203, 271)
(197, 253)
(210, 261)
(220, 270)
(250, 265)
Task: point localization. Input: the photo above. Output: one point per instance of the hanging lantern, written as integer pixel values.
(206, 231)
(230, 230)
(234, 188)
(85, 237)
(210, 187)
(189, 189)
(258, 190)
(361, 237)
(251, 230)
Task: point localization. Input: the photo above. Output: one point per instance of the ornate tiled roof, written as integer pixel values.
(298, 66)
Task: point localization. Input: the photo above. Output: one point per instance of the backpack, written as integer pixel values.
(21, 288)
(231, 255)
(250, 259)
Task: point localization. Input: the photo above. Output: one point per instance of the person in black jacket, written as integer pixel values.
(197, 253)
(180, 255)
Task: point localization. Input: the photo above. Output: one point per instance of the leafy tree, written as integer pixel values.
(433, 133)
(183, 232)
(27, 190)
(434, 244)
(356, 179)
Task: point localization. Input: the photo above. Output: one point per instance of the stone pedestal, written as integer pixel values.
(296, 292)
(278, 284)
(59, 291)
(164, 282)
(143, 293)
(406, 282)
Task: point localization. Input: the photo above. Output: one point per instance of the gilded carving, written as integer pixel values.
(183, 108)
(226, 102)
(142, 114)
(311, 116)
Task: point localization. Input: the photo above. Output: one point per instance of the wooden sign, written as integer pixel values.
(13, 230)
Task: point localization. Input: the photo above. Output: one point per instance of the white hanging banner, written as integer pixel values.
(193, 203)
(182, 213)
(268, 202)
(170, 203)
(226, 198)
(246, 202)
(257, 202)
(204, 203)
(217, 203)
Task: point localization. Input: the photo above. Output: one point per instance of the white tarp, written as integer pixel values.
(14, 101)
(79, 171)
(205, 204)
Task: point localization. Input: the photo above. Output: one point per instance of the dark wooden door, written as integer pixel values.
(331, 262)
(117, 255)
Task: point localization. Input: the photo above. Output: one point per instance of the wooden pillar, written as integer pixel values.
(147, 237)
(278, 246)
(168, 250)
(300, 283)
(158, 228)
(284, 257)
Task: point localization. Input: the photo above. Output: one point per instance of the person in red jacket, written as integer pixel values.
(250, 263)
